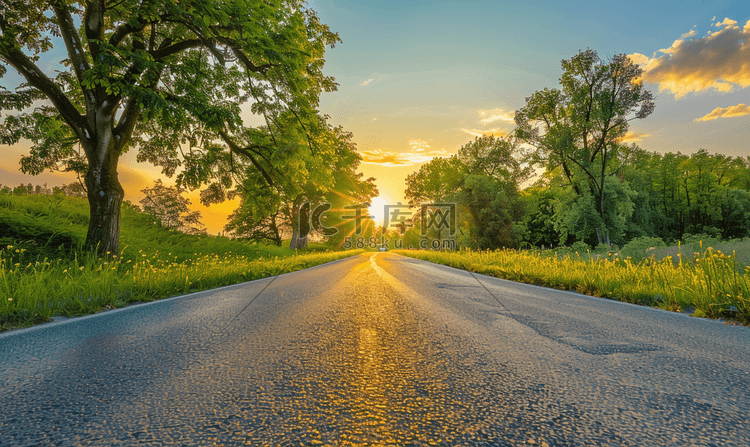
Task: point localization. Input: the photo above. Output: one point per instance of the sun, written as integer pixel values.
(377, 209)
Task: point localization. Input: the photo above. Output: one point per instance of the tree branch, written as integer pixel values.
(130, 116)
(126, 29)
(93, 22)
(246, 152)
(37, 79)
(161, 53)
(242, 57)
(72, 41)
(586, 171)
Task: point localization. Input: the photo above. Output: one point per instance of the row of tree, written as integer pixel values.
(72, 189)
(678, 194)
(594, 188)
(170, 79)
(655, 195)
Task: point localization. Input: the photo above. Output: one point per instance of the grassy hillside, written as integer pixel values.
(54, 226)
(44, 272)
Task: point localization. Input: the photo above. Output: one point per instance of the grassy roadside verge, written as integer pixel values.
(44, 272)
(710, 283)
(32, 293)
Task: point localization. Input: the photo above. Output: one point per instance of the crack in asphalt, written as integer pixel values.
(491, 294)
(250, 302)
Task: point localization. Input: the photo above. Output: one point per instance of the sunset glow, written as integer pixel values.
(377, 208)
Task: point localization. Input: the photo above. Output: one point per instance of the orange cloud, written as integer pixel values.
(486, 132)
(726, 112)
(639, 59)
(719, 61)
(385, 158)
(727, 22)
(634, 137)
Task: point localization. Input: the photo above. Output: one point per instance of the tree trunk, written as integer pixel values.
(300, 225)
(105, 196)
(298, 241)
(275, 233)
(295, 238)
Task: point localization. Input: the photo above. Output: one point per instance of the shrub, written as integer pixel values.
(696, 240)
(580, 247)
(638, 248)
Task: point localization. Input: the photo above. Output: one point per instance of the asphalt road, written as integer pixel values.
(377, 350)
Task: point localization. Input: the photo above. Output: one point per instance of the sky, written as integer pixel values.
(420, 78)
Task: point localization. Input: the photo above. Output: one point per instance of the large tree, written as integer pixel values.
(483, 179)
(578, 128)
(166, 77)
(271, 214)
(435, 181)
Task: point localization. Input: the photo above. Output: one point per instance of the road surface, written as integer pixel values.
(377, 349)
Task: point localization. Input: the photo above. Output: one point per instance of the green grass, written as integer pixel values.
(711, 281)
(44, 272)
(55, 227)
(689, 251)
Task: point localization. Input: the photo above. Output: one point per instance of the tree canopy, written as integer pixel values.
(272, 214)
(577, 129)
(166, 78)
(483, 179)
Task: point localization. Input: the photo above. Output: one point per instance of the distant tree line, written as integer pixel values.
(666, 196)
(72, 189)
(164, 204)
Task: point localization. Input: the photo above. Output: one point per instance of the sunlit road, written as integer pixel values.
(377, 350)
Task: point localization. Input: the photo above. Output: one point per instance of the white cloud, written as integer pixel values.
(726, 112)
(418, 145)
(367, 82)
